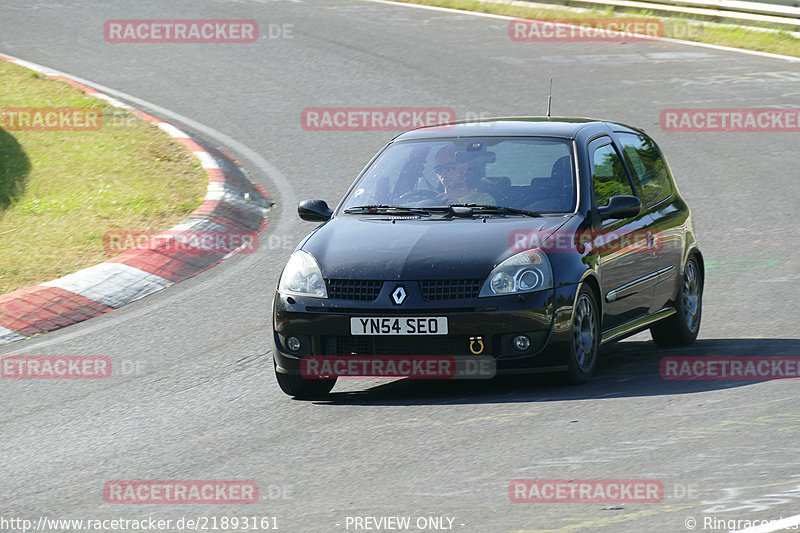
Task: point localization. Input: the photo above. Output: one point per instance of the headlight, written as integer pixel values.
(302, 277)
(524, 272)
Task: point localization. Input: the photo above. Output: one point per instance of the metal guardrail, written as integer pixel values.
(786, 3)
(781, 9)
(783, 13)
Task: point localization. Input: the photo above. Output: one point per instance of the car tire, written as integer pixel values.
(681, 329)
(302, 388)
(584, 338)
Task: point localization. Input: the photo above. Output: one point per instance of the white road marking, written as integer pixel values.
(172, 130)
(663, 40)
(206, 159)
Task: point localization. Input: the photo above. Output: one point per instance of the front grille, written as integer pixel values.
(432, 290)
(396, 345)
(450, 289)
(353, 289)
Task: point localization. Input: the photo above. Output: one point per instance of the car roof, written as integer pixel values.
(566, 127)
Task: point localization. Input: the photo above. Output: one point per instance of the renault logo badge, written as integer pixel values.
(399, 295)
(476, 345)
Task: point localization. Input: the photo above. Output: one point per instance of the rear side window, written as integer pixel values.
(645, 159)
(608, 175)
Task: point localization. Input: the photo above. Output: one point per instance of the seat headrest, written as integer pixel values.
(561, 168)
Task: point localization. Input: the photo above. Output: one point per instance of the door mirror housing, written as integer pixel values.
(314, 210)
(620, 207)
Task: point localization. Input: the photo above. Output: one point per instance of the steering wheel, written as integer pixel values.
(418, 194)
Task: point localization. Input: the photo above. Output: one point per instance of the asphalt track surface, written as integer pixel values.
(203, 402)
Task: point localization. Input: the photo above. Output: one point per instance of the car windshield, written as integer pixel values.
(529, 173)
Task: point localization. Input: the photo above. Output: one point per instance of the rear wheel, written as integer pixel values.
(681, 328)
(303, 388)
(585, 345)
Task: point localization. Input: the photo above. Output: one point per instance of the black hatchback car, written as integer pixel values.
(526, 241)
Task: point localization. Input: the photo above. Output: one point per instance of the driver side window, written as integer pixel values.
(608, 175)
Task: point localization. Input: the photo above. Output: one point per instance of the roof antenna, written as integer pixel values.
(549, 98)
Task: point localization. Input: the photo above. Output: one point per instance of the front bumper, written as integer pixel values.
(323, 328)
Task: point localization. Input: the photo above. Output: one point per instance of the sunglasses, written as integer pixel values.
(441, 168)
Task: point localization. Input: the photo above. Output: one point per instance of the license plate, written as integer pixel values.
(399, 325)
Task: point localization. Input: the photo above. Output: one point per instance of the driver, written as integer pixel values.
(453, 176)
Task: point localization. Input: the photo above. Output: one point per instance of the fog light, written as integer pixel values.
(293, 343)
(521, 343)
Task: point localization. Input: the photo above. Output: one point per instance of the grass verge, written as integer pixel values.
(61, 191)
(776, 41)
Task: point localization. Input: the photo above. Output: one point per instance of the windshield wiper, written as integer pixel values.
(382, 209)
(499, 209)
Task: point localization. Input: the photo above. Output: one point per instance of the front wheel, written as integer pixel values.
(585, 337)
(681, 328)
(303, 388)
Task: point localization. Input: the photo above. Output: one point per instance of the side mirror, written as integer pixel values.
(314, 210)
(620, 207)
